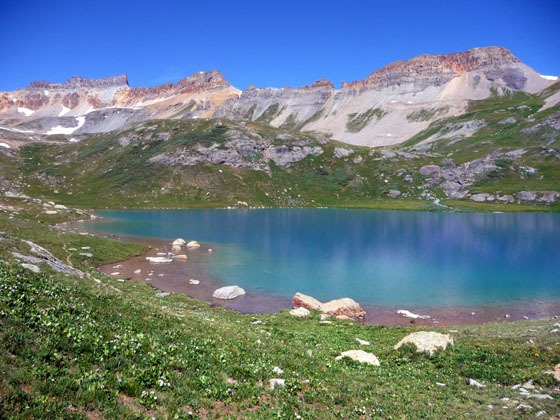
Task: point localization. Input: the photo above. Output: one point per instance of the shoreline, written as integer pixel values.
(174, 278)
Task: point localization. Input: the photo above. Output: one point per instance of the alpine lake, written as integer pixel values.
(378, 258)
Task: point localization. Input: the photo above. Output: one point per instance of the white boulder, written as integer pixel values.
(193, 245)
(228, 292)
(179, 242)
(300, 312)
(427, 341)
(359, 356)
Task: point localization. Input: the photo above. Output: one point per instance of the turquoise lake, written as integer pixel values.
(386, 258)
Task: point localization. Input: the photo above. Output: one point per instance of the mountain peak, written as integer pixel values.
(441, 66)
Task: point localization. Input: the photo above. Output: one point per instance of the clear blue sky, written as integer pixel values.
(266, 43)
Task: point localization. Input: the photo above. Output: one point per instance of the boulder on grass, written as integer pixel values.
(359, 356)
(300, 312)
(228, 292)
(427, 341)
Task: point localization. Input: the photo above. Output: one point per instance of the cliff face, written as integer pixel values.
(387, 107)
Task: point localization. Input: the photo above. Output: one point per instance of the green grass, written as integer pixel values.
(357, 122)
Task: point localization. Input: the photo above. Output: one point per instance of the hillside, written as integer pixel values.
(503, 153)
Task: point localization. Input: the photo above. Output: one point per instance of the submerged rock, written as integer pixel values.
(228, 292)
(411, 315)
(159, 260)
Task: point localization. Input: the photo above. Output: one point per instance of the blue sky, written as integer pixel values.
(265, 43)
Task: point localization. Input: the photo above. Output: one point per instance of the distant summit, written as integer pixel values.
(78, 82)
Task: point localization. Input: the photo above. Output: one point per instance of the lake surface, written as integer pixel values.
(386, 258)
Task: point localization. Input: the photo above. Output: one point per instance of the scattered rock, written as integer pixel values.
(527, 195)
(528, 385)
(393, 193)
(482, 197)
(408, 314)
(193, 281)
(540, 396)
(31, 267)
(277, 370)
(228, 292)
(440, 384)
(137, 271)
(341, 152)
(276, 383)
(300, 312)
(180, 257)
(86, 254)
(193, 245)
(522, 407)
(359, 356)
(472, 382)
(115, 273)
(363, 342)
(432, 171)
(556, 372)
(427, 341)
(162, 294)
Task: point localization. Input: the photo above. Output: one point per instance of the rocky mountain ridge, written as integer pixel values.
(388, 107)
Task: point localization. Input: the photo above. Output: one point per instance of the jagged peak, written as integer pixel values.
(78, 82)
(321, 83)
(204, 79)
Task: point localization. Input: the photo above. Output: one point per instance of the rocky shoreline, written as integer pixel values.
(187, 276)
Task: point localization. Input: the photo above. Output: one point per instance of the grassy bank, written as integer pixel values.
(75, 348)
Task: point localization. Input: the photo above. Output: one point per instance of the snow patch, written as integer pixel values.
(64, 111)
(25, 111)
(73, 140)
(549, 77)
(6, 145)
(67, 130)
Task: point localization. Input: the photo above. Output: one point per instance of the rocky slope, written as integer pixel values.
(388, 107)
